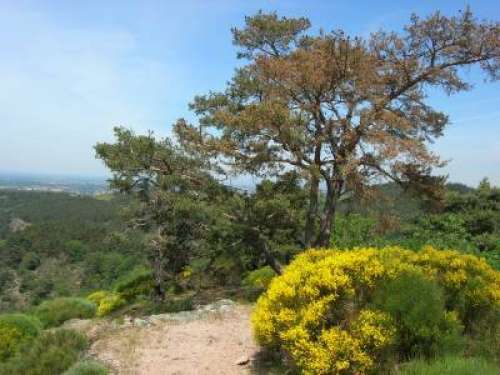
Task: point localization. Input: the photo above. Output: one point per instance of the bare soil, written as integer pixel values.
(210, 345)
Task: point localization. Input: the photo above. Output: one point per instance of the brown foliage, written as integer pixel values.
(343, 111)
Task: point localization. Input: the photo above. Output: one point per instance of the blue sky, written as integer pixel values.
(71, 70)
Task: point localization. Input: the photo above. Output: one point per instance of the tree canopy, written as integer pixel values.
(171, 191)
(344, 112)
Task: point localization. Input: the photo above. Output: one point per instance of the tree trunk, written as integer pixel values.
(328, 218)
(157, 260)
(271, 260)
(312, 212)
(159, 294)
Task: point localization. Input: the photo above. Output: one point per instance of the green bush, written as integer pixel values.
(16, 329)
(446, 231)
(103, 269)
(75, 249)
(6, 278)
(51, 353)
(416, 305)
(171, 304)
(257, 281)
(136, 283)
(87, 367)
(353, 230)
(53, 313)
(31, 261)
(450, 366)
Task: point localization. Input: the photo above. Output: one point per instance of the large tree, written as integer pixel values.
(343, 111)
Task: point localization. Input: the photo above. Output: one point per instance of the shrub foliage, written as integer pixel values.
(16, 329)
(52, 352)
(136, 283)
(255, 282)
(54, 312)
(344, 312)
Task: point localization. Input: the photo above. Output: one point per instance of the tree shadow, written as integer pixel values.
(267, 362)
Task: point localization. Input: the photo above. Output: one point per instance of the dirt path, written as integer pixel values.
(209, 345)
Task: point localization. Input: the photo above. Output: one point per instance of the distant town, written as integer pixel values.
(78, 185)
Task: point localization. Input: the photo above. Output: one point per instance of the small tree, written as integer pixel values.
(171, 192)
(344, 112)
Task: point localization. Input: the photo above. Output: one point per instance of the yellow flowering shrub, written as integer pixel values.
(106, 302)
(97, 296)
(320, 310)
(110, 303)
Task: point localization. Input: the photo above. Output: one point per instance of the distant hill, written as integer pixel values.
(40, 207)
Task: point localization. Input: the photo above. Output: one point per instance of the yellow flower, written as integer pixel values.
(316, 310)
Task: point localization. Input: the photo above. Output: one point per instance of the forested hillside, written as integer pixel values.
(352, 254)
(466, 219)
(56, 244)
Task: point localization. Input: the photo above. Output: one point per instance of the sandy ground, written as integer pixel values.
(212, 345)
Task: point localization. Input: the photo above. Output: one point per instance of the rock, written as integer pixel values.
(156, 319)
(224, 302)
(200, 312)
(242, 361)
(225, 308)
(140, 322)
(18, 225)
(221, 306)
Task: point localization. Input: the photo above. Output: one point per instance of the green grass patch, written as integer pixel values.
(87, 367)
(450, 366)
